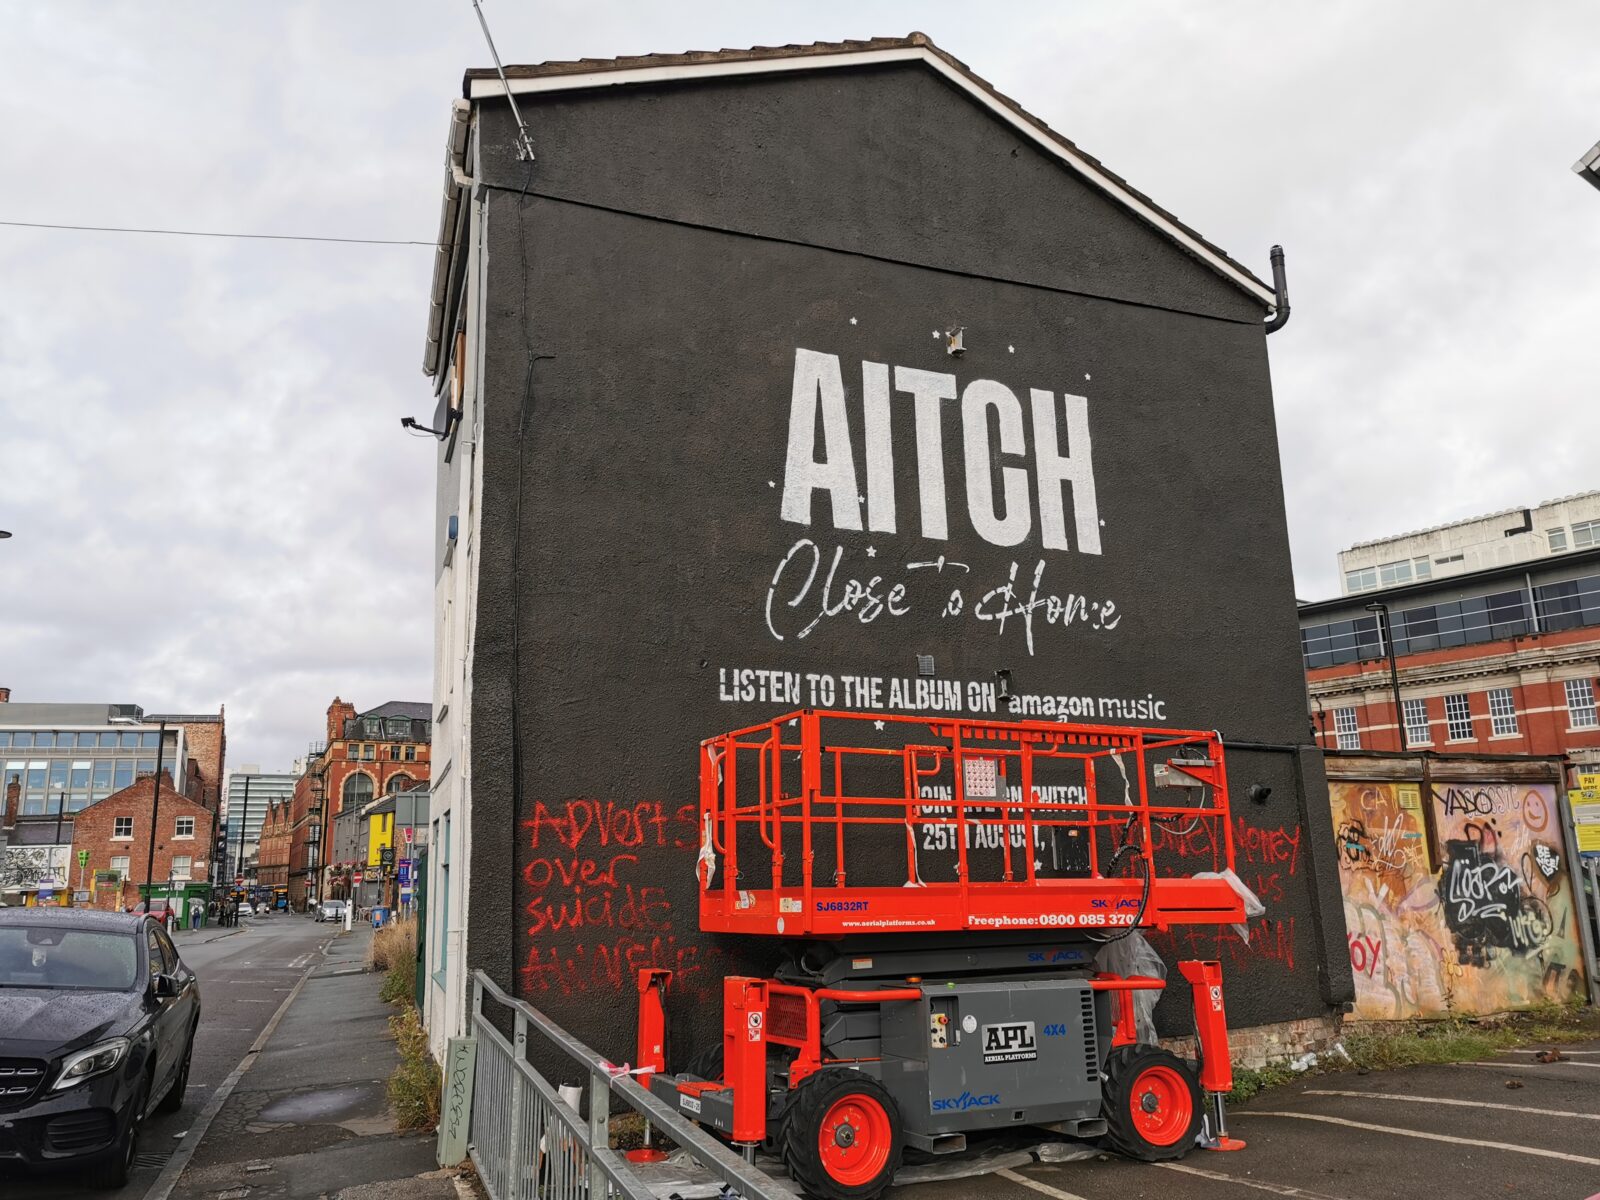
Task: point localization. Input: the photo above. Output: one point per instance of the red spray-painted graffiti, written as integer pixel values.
(594, 914)
(1364, 953)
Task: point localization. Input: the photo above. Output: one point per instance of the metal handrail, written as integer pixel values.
(504, 1140)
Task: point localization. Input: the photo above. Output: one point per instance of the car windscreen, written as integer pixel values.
(43, 956)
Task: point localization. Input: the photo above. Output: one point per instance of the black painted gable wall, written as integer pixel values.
(652, 279)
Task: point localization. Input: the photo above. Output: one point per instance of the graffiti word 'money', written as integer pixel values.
(992, 429)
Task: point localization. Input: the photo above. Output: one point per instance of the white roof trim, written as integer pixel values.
(483, 88)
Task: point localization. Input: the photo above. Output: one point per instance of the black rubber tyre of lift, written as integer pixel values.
(1151, 1102)
(706, 1065)
(842, 1136)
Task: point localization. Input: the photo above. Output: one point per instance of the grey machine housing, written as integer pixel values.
(1002, 1036)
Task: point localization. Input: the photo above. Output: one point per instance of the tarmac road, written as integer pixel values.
(245, 974)
(1449, 1132)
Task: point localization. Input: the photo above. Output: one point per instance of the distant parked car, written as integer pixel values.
(246, 909)
(97, 1022)
(331, 910)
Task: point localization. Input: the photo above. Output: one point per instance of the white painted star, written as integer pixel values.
(861, 499)
(877, 724)
(872, 552)
(1011, 349)
(1086, 376)
(852, 320)
(935, 333)
(771, 484)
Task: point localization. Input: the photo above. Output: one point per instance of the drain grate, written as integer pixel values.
(150, 1162)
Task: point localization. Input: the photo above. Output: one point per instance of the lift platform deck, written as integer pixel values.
(824, 824)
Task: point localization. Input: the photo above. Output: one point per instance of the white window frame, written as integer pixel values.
(1457, 721)
(1362, 579)
(1585, 534)
(1393, 574)
(1556, 540)
(178, 833)
(1581, 712)
(1414, 711)
(188, 867)
(1503, 713)
(119, 864)
(119, 823)
(1346, 729)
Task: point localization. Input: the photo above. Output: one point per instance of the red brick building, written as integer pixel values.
(116, 833)
(1504, 660)
(364, 755)
(272, 859)
(205, 737)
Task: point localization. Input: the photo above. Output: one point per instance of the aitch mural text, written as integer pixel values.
(813, 583)
(819, 391)
(1488, 925)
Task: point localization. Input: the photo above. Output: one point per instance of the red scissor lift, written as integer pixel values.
(944, 886)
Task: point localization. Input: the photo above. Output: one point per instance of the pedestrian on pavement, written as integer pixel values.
(196, 911)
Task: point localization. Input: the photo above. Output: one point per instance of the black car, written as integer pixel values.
(97, 1023)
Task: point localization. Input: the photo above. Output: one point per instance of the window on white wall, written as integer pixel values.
(1416, 717)
(1458, 717)
(1580, 705)
(1345, 729)
(441, 840)
(1585, 534)
(1502, 712)
(1361, 580)
(1556, 539)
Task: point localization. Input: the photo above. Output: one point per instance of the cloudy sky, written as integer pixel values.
(212, 499)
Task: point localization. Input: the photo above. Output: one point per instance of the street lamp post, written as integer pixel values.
(1387, 629)
(155, 808)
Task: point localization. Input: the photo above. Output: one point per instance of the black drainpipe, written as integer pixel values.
(1280, 285)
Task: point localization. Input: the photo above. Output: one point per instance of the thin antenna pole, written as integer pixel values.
(524, 142)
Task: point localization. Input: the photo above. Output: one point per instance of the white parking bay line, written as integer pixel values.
(1431, 1137)
(1277, 1189)
(1520, 1108)
(1564, 1051)
(1037, 1186)
(1528, 1066)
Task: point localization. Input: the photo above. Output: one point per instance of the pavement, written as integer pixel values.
(1414, 1134)
(310, 1117)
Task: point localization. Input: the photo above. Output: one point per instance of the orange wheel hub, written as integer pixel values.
(854, 1140)
(1160, 1105)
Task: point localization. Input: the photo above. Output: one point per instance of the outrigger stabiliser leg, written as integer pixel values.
(1216, 1068)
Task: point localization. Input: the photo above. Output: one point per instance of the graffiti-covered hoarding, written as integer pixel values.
(1457, 896)
(788, 405)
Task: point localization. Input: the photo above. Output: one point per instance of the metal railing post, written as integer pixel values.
(514, 1141)
(599, 1132)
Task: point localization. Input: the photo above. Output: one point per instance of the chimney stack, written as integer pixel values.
(5, 695)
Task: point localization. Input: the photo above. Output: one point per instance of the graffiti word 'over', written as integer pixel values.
(993, 430)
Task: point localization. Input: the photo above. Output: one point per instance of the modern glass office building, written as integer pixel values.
(61, 758)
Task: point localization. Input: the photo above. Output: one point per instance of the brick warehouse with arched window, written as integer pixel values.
(364, 755)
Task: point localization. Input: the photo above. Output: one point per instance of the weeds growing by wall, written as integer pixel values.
(415, 1086)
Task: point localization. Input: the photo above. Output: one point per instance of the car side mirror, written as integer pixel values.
(164, 986)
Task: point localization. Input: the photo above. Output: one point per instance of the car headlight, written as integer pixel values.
(86, 1064)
